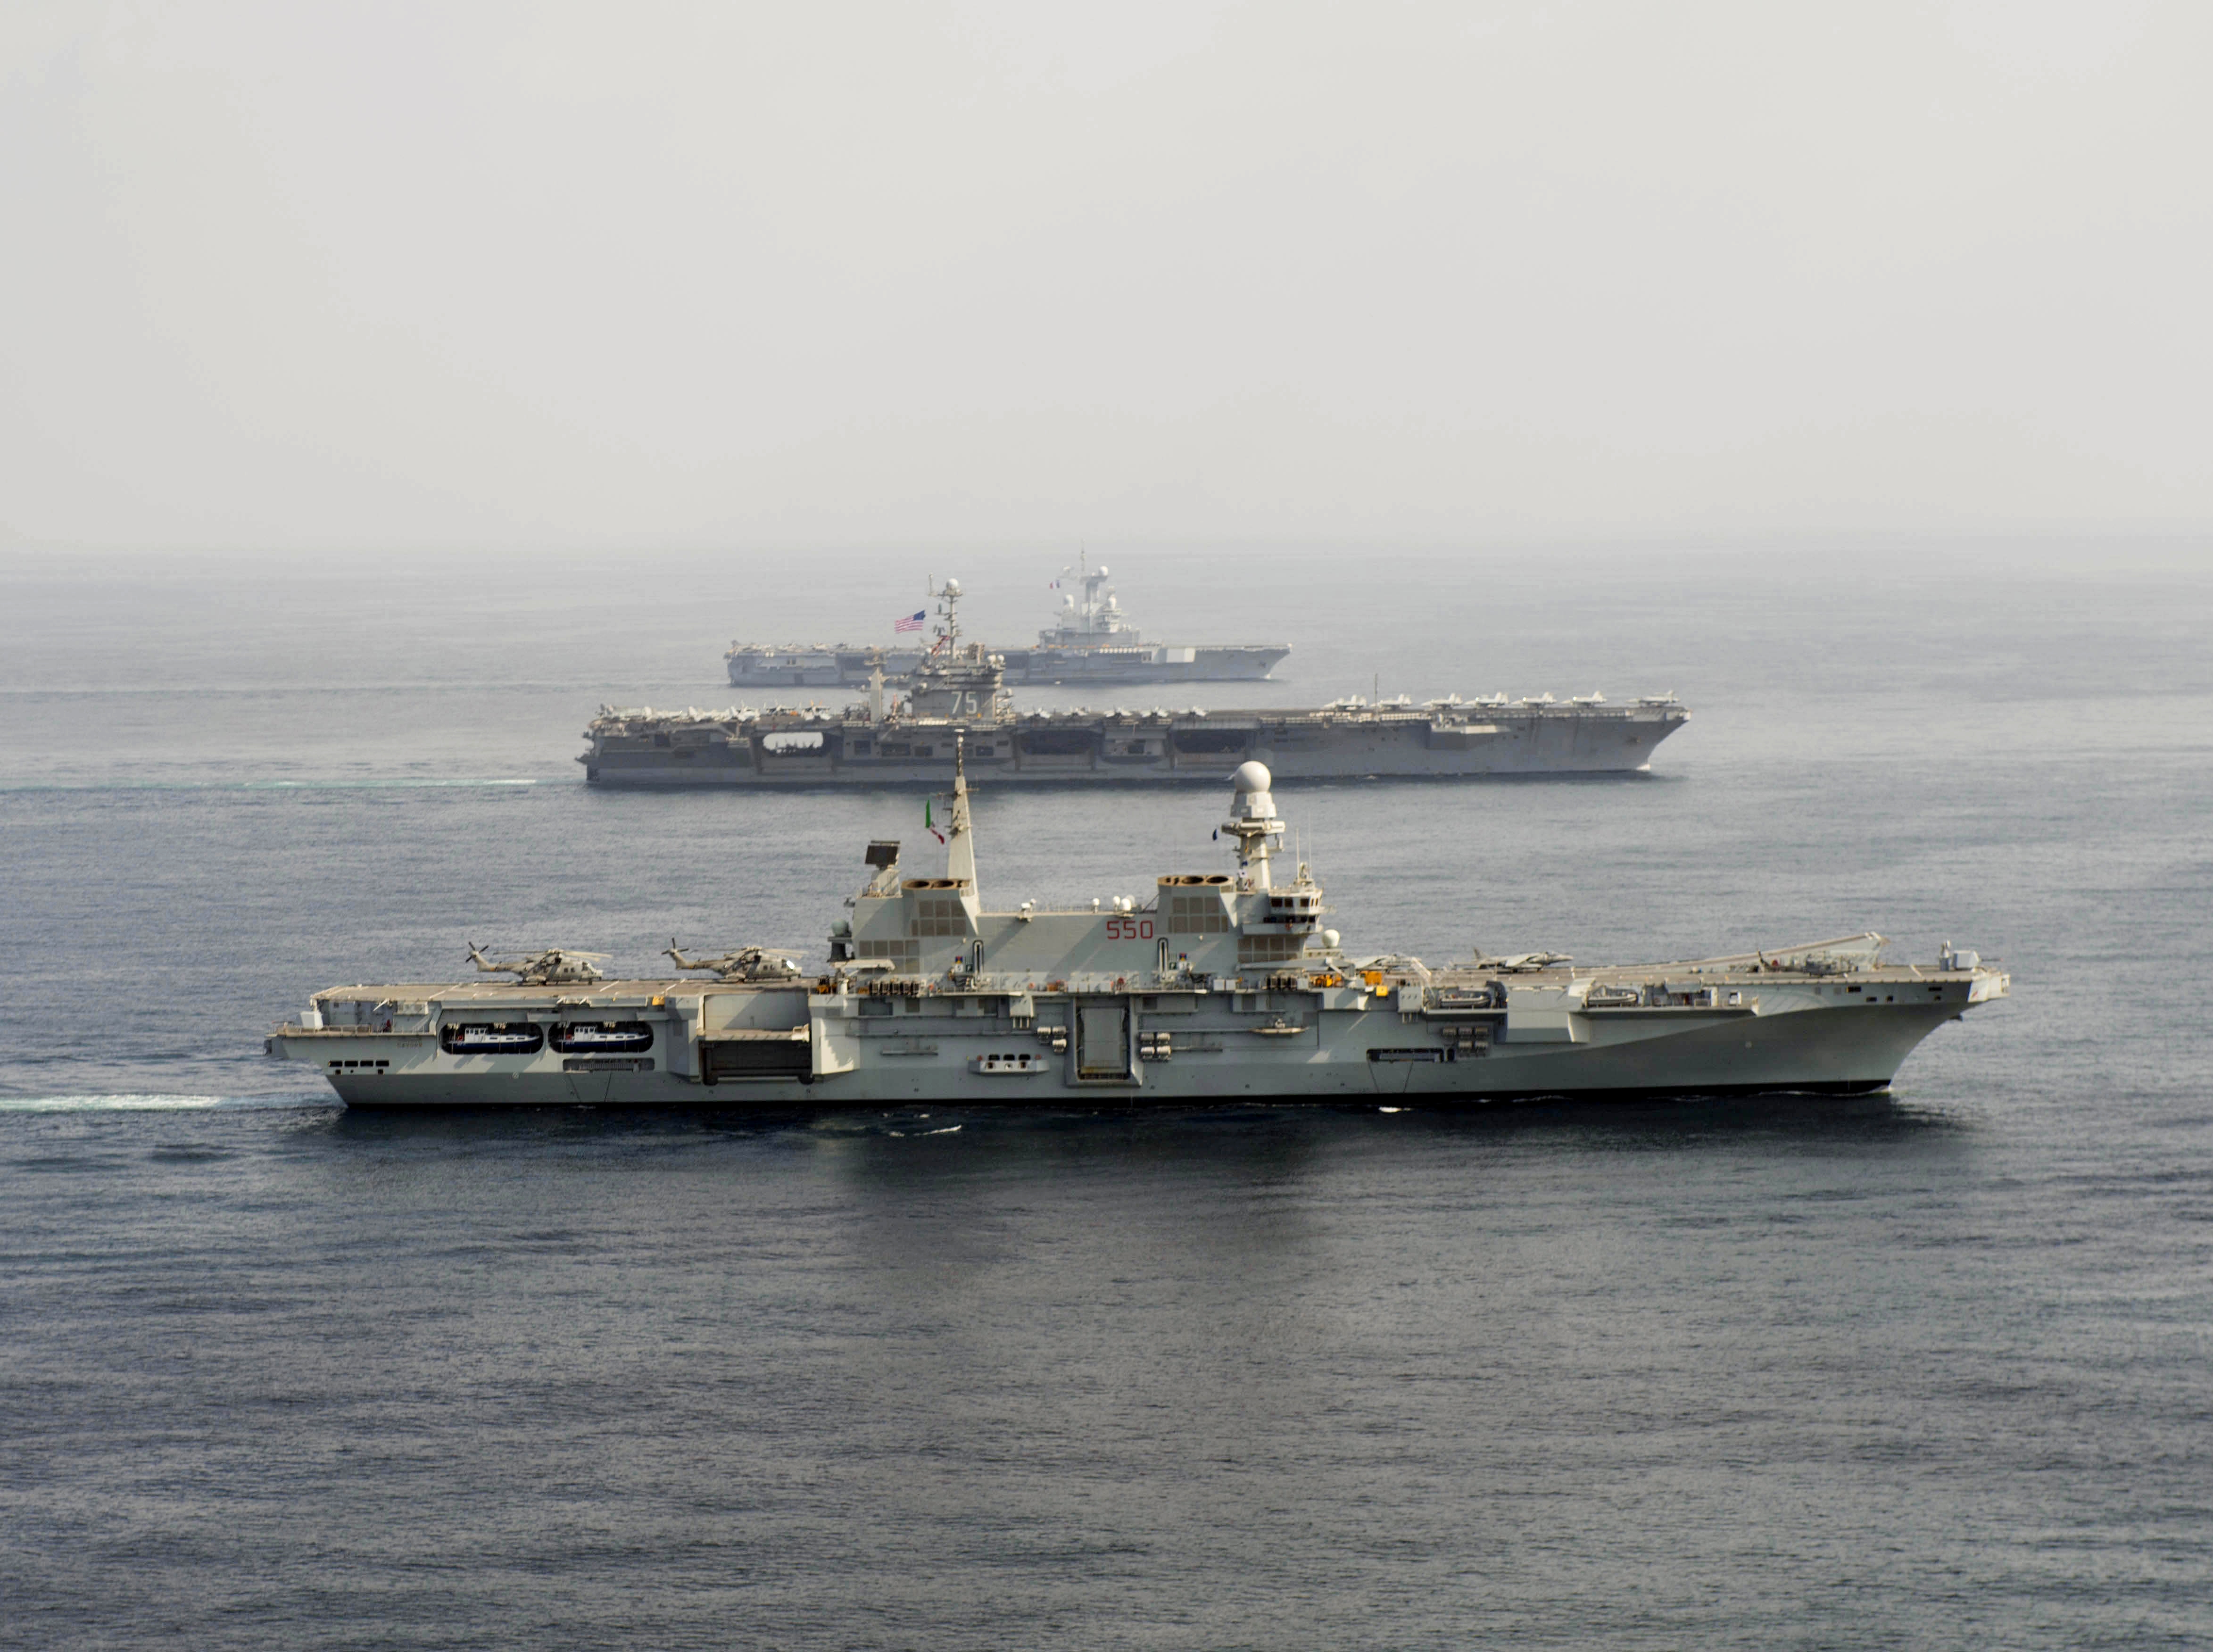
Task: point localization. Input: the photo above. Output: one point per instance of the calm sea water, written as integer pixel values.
(1920, 1369)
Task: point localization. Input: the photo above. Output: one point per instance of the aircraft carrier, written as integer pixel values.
(1224, 982)
(958, 697)
(1091, 643)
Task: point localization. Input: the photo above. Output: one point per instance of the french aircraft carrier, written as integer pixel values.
(1090, 643)
(957, 697)
(1224, 982)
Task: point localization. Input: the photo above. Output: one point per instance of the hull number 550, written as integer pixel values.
(1129, 929)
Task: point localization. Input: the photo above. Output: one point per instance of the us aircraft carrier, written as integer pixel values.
(1223, 982)
(1090, 643)
(957, 697)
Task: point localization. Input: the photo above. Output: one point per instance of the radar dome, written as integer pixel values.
(953, 587)
(1252, 776)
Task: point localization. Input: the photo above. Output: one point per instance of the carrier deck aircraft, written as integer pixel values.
(1225, 984)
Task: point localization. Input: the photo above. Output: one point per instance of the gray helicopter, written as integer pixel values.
(554, 967)
(746, 964)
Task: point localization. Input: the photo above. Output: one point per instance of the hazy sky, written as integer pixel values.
(443, 273)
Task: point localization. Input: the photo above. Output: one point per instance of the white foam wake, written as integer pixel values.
(149, 1103)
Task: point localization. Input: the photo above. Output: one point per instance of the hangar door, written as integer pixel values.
(1102, 1039)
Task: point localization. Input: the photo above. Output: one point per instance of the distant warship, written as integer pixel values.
(1221, 985)
(958, 693)
(1090, 643)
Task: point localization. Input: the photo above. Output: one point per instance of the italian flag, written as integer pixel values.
(928, 823)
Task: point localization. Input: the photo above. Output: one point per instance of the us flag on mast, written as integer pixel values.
(912, 622)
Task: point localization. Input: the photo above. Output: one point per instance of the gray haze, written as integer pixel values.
(423, 273)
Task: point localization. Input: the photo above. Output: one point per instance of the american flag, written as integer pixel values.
(912, 622)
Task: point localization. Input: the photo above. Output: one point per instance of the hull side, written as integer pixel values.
(1134, 754)
(1086, 667)
(1376, 1054)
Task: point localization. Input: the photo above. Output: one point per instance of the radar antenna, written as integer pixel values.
(948, 622)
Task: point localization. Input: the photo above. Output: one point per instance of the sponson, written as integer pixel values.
(1225, 982)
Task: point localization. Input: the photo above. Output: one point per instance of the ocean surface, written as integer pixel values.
(1928, 1368)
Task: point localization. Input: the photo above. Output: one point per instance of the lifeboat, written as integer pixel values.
(602, 1038)
(496, 1039)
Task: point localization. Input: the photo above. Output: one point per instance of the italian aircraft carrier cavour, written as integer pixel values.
(958, 696)
(1091, 643)
(1223, 984)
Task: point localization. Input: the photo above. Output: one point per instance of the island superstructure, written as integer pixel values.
(1090, 643)
(958, 696)
(1230, 982)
